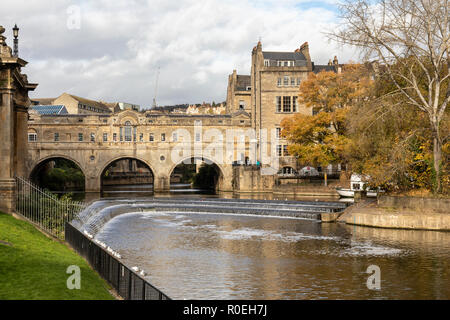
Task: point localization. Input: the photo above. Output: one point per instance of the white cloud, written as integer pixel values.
(121, 43)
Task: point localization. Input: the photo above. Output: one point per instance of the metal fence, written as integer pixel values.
(44, 209)
(128, 284)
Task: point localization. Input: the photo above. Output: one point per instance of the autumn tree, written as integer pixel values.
(320, 138)
(411, 41)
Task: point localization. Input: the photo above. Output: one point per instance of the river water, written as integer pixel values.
(228, 256)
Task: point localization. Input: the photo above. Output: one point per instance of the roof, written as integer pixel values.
(319, 68)
(298, 57)
(243, 81)
(91, 103)
(50, 109)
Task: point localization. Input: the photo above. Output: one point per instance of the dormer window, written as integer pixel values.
(266, 62)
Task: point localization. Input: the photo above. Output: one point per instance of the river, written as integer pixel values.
(204, 255)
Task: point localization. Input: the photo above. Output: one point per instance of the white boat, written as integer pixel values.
(349, 193)
(356, 184)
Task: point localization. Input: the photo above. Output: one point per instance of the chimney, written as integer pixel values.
(330, 63)
(304, 48)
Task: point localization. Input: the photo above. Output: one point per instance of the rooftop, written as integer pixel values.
(50, 109)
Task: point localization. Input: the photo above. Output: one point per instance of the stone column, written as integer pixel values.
(161, 184)
(7, 182)
(92, 184)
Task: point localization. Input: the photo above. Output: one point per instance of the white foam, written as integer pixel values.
(368, 249)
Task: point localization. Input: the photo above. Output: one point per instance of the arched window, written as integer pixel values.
(128, 130)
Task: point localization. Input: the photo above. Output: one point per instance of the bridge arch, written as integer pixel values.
(219, 169)
(39, 165)
(140, 176)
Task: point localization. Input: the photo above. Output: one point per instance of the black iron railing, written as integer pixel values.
(127, 283)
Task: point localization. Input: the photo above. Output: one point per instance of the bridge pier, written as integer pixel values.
(161, 184)
(92, 184)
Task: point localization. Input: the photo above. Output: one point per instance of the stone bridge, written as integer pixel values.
(161, 141)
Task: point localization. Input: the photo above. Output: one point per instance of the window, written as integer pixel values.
(299, 80)
(279, 82)
(241, 105)
(163, 137)
(128, 131)
(80, 137)
(266, 62)
(294, 104)
(292, 81)
(32, 137)
(286, 104)
(174, 137)
(242, 121)
(121, 134)
(56, 136)
(286, 81)
(105, 137)
(92, 137)
(279, 150)
(151, 138)
(278, 133)
(285, 151)
(141, 137)
(278, 104)
(114, 136)
(197, 137)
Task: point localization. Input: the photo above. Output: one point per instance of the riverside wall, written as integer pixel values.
(401, 213)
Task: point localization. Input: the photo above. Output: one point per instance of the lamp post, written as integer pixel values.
(16, 40)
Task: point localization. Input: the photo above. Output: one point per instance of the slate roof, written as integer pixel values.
(319, 68)
(273, 57)
(50, 109)
(243, 81)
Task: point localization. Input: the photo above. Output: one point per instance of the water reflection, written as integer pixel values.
(219, 256)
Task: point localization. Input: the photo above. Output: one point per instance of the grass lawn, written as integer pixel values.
(33, 266)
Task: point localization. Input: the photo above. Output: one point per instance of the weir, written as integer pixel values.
(96, 215)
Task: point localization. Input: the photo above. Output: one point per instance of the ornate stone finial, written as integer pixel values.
(2, 30)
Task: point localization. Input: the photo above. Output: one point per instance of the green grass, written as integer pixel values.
(34, 266)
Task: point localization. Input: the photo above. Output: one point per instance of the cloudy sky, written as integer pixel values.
(111, 50)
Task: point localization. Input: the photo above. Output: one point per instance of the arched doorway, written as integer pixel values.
(127, 175)
(195, 174)
(59, 175)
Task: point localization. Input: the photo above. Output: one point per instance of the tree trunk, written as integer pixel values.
(437, 156)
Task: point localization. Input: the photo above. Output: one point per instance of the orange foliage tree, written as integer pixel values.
(320, 138)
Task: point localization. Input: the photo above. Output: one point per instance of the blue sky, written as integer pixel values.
(115, 52)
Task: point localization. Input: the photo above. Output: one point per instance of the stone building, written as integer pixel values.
(270, 93)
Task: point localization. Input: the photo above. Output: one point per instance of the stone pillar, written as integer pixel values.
(7, 171)
(161, 184)
(92, 184)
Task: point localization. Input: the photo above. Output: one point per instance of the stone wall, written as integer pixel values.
(415, 203)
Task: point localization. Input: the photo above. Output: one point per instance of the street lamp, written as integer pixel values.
(16, 40)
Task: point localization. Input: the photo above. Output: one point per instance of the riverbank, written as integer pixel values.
(399, 213)
(34, 266)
